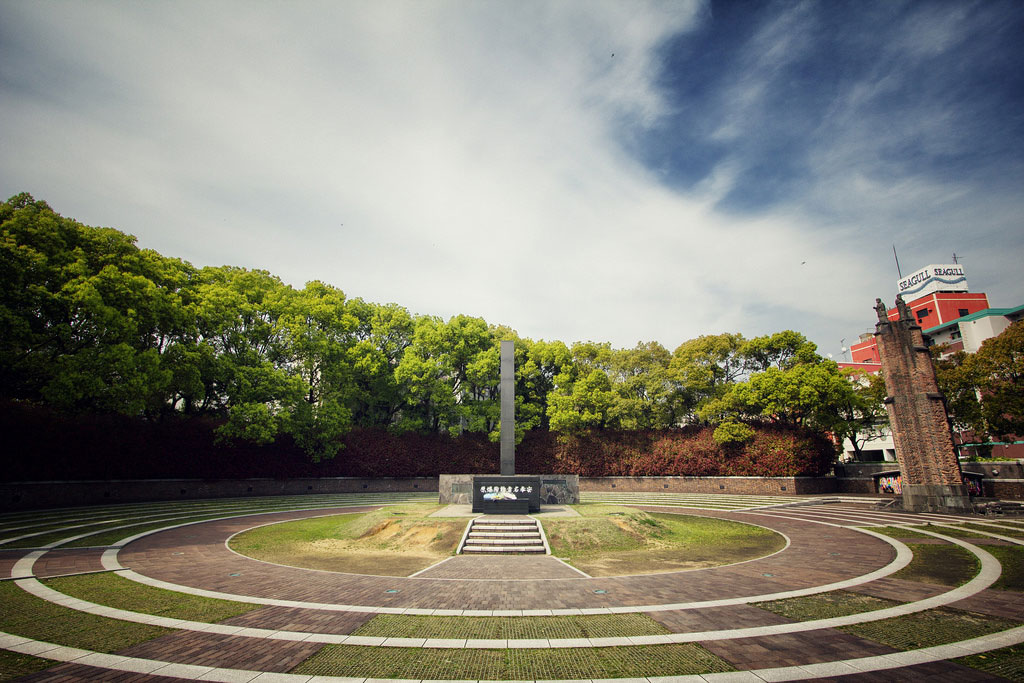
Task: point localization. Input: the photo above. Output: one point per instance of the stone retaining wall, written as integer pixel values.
(45, 494)
(1000, 479)
(1003, 480)
(727, 485)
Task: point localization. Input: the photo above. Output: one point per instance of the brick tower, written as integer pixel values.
(932, 481)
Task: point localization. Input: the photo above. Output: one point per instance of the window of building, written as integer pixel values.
(955, 334)
(961, 312)
(922, 314)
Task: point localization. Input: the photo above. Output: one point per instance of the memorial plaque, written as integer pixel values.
(505, 494)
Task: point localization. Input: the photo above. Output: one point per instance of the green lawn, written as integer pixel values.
(114, 591)
(25, 615)
(501, 628)
(611, 540)
(512, 665)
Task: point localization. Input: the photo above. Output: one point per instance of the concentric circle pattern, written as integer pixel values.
(719, 611)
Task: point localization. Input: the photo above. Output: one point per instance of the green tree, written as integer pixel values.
(239, 313)
(538, 364)
(319, 332)
(382, 336)
(450, 374)
(861, 413)
(584, 403)
(644, 389)
(87, 314)
(958, 375)
(813, 395)
(702, 371)
(781, 350)
(1000, 369)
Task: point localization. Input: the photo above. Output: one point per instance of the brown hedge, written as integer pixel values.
(43, 445)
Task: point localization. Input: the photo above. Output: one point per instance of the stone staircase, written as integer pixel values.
(504, 535)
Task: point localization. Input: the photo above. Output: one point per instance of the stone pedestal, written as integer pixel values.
(948, 498)
(555, 489)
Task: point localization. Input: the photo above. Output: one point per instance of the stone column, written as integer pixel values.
(508, 409)
(932, 481)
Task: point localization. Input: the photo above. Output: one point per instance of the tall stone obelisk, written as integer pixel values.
(508, 409)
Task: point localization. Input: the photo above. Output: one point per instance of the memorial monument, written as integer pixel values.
(932, 480)
(508, 493)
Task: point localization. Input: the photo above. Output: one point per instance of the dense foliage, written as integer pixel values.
(55, 445)
(94, 325)
(985, 390)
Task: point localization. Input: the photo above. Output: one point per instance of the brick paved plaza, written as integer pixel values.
(302, 611)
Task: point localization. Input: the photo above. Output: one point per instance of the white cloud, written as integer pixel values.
(453, 157)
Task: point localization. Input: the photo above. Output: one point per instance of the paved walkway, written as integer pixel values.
(304, 609)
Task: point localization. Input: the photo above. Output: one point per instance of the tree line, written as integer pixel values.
(93, 323)
(985, 390)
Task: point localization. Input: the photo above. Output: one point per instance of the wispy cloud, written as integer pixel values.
(594, 170)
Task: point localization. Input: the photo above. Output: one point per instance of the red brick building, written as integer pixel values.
(948, 314)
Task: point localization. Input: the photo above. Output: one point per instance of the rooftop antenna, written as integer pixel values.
(955, 257)
(897, 261)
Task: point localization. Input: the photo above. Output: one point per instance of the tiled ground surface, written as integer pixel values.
(60, 562)
(196, 556)
(69, 673)
(935, 672)
(510, 568)
(298, 619)
(230, 652)
(792, 649)
(713, 618)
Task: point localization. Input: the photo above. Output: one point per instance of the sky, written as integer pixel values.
(576, 170)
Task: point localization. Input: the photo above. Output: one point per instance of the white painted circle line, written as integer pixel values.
(902, 559)
(897, 660)
(989, 573)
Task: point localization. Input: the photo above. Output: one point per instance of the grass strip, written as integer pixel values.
(929, 628)
(579, 626)
(40, 540)
(15, 665)
(115, 591)
(897, 532)
(1007, 662)
(26, 615)
(945, 565)
(540, 664)
(960, 531)
(1012, 559)
(1005, 530)
(825, 605)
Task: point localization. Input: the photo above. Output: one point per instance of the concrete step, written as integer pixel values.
(518, 519)
(509, 549)
(504, 536)
(506, 541)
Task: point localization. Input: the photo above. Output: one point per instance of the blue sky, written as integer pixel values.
(613, 171)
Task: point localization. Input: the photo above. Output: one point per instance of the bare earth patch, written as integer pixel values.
(379, 563)
(395, 541)
(667, 560)
(617, 541)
